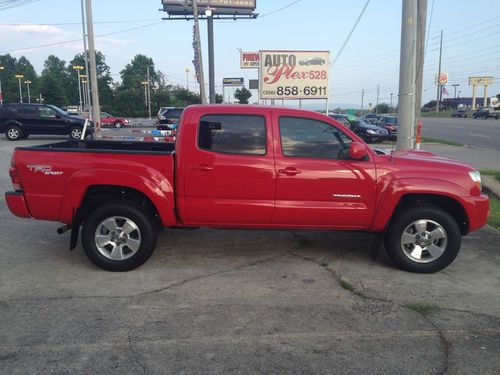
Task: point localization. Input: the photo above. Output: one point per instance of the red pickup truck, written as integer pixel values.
(248, 167)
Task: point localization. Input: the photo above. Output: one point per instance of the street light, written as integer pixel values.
(147, 97)
(78, 68)
(28, 82)
(187, 78)
(1, 94)
(391, 98)
(83, 78)
(459, 94)
(19, 76)
(455, 85)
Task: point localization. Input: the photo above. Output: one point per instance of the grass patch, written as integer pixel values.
(444, 141)
(347, 286)
(423, 308)
(436, 114)
(491, 172)
(494, 219)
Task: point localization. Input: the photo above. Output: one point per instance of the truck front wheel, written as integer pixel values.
(119, 236)
(423, 239)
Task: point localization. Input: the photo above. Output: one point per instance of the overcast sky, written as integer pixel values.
(470, 45)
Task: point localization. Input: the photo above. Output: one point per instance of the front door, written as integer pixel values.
(229, 173)
(316, 185)
(51, 122)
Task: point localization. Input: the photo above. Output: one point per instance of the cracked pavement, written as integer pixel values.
(233, 301)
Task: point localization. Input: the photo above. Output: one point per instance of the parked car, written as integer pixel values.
(340, 118)
(459, 113)
(168, 117)
(484, 113)
(368, 132)
(112, 121)
(313, 61)
(389, 123)
(20, 120)
(248, 167)
(370, 118)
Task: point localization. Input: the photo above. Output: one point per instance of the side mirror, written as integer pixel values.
(358, 151)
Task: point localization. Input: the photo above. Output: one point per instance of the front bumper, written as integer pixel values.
(17, 204)
(478, 210)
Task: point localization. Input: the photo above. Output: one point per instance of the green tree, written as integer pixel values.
(218, 98)
(242, 95)
(382, 108)
(52, 90)
(182, 97)
(10, 87)
(104, 80)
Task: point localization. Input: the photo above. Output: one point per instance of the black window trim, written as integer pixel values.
(232, 153)
(308, 157)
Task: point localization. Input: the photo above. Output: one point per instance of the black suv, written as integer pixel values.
(459, 113)
(19, 121)
(368, 132)
(168, 117)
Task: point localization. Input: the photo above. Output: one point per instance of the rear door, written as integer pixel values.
(229, 174)
(28, 116)
(315, 186)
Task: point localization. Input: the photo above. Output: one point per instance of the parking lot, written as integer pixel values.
(234, 301)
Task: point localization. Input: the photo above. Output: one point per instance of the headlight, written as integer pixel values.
(371, 132)
(476, 177)
(161, 117)
(125, 121)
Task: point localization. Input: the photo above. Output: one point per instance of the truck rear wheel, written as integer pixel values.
(423, 239)
(119, 236)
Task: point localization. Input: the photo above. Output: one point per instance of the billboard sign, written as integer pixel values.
(249, 60)
(473, 81)
(185, 7)
(240, 81)
(294, 74)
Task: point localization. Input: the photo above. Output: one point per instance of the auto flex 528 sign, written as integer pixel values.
(294, 74)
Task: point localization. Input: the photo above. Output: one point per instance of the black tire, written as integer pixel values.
(25, 135)
(75, 132)
(396, 250)
(474, 117)
(485, 117)
(146, 233)
(13, 132)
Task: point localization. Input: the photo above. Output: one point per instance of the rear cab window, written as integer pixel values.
(233, 134)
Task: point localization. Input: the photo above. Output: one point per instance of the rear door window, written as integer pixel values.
(233, 134)
(27, 111)
(305, 138)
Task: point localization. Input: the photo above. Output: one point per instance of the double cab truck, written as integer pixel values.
(248, 167)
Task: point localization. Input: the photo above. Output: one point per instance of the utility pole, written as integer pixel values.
(211, 67)
(149, 91)
(407, 76)
(362, 98)
(420, 58)
(187, 79)
(438, 99)
(1, 93)
(378, 94)
(86, 59)
(391, 99)
(96, 111)
(198, 47)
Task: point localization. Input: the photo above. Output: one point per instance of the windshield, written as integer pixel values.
(361, 121)
(57, 109)
(392, 120)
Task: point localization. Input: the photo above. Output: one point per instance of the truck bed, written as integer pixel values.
(106, 146)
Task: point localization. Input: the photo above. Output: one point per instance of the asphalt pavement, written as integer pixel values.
(234, 301)
(480, 132)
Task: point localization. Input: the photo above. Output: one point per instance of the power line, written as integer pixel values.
(8, 4)
(350, 33)
(279, 9)
(77, 40)
(77, 23)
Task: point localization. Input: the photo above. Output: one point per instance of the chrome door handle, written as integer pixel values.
(289, 171)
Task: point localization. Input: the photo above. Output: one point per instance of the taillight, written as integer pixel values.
(14, 175)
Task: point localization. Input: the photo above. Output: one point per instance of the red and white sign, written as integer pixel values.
(443, 79)
(249, 60)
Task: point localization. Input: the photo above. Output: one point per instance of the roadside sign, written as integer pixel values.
(350, 111)
(185, 7)
(442, 79)
(233, 81)
(473, 81)
(253, 84)
(294, 74)
(249, 60)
